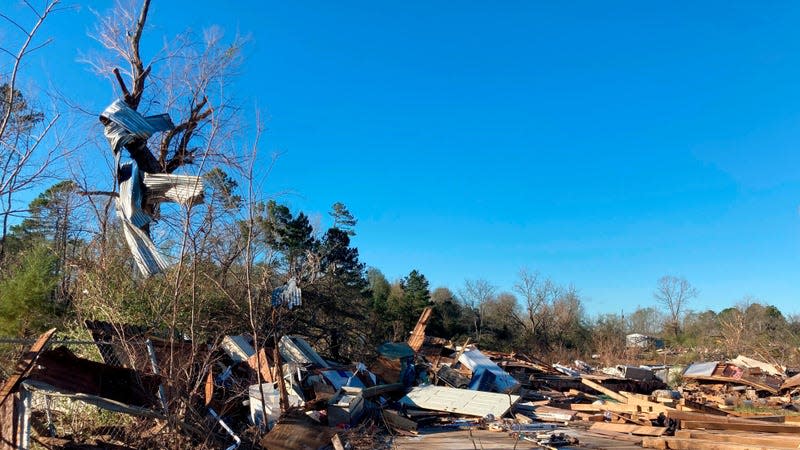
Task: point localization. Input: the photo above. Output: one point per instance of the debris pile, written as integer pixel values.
(426, 391)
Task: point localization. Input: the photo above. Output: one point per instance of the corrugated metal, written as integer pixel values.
(131, 195)
(705, 369)
(66, 372)
(144, 251)
(185, 190)
(123, 126)
(126, 124)
(459, 401)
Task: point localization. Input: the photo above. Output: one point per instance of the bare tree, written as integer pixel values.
(673, 294)
(25, 156)
(538, 296)
(476, 295)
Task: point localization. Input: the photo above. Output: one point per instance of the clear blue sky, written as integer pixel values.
(604, 144)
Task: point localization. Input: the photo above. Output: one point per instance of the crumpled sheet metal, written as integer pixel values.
(124, 125)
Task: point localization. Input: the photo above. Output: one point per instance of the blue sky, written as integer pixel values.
(602, 144)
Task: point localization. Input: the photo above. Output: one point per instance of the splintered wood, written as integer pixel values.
(418, 335)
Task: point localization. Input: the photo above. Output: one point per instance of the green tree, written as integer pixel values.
(343, 219)
(407, 298)
(417, 294)
(26, 295)
(379, 289)
(449, 320)
(338, 297)
(52, 221)
(18, 121)
(290, 236)
(223, 189)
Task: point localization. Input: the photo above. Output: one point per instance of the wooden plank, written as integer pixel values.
(763, 418)
(337, 442)
(638, 430)
(762, 427)
(700, 444)
(700, 417)
(654, 442)
(604, 390)
(522, 418)
(748, 439)
(459, 440)
(260, 361)
(631, 419)
(613, 407)
(644, 403)
(700, 407)
(24, 365)
(418, 335)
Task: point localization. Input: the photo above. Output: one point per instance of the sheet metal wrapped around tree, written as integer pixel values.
(140, 190)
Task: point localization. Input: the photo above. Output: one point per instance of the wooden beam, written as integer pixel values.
(739, 438)
(418, 335)
(604, 390)
(761, 427)
(613, 407)
(700, 444)
(625, 428)
(644, 404)
(700, 417)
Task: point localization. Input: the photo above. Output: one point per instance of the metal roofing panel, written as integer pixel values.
(296, 349)
(704, 369)
(459, 401)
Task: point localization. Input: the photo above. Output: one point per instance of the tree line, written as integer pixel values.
(63, 257)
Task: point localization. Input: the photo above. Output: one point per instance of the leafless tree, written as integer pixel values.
(673, 294)
(538, 295)
(476, 295)
(28, 147)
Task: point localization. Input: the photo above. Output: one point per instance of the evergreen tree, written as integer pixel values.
(26, 294)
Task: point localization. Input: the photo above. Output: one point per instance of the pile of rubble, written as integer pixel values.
(426, 391)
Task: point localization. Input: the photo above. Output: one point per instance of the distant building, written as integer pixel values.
(637, 340)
